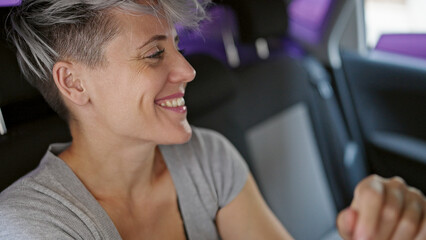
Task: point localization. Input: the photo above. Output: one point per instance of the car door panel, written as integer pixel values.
(389, 95)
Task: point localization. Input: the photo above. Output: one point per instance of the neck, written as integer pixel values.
(114, 168)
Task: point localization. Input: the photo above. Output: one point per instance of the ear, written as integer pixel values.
(71, 87)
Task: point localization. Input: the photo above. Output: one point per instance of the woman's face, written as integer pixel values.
(139, 94)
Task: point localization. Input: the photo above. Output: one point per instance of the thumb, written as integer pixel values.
(346, 221)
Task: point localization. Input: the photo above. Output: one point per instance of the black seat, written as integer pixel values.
(30, 123)
(286, 121)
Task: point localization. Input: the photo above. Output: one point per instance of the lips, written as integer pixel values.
(174, 102)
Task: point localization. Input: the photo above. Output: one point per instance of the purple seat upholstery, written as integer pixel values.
(208, 39)
(10, 3)
(308, 19)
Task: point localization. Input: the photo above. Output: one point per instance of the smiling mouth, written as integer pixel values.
(177, 102)
(174, 102)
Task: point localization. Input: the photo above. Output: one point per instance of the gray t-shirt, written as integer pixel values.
(51, 202)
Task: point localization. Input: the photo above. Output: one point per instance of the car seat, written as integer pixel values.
(284, 115)
(28, 123)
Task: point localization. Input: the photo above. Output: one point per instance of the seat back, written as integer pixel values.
(291, 127)
(29, 123)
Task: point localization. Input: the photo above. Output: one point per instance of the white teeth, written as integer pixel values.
(178, 102)
(181, 102)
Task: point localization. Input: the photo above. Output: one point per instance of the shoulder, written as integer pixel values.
(25, 191)
(210, 141)
(27, 213)
(208, 149)
(33, 208)
(220, 160)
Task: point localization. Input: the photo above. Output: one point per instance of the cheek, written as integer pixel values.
(151, 85)
(100, 83)
(128, 91)
(114, 85)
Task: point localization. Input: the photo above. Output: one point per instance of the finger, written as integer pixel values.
(346, 223)
(370, 196)
(421, 235)
(360, 187)
(411, 216)
(392, 209)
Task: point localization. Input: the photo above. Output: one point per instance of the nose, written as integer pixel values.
(181, 70)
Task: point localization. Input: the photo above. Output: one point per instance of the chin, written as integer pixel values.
(179, 136)
(184, 139)
(185, 136)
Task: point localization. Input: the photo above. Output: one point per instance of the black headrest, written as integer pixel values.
(19, 101)
(259, 19)
(13, 87)
(214, 84)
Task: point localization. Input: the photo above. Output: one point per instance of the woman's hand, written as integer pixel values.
(384, 209)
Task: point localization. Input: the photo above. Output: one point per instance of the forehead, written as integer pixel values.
(142, 25)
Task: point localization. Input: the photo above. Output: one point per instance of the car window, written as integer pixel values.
(395, 23)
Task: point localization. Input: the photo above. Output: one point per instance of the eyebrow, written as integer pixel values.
(152, 39)
(158, 38)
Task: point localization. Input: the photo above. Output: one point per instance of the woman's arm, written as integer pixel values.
(248, 217)
(381, 209)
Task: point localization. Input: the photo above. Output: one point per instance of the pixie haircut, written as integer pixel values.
(47, 31)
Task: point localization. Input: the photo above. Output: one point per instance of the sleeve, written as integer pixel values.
(229, 170)
(15, 226)
(27, 214)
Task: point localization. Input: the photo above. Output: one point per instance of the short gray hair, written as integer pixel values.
(47, 31)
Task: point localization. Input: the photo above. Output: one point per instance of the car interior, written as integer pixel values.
(311, 117)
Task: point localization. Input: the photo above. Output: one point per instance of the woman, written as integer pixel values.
(135, 168)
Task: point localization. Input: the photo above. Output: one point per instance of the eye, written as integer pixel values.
(157, 54)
